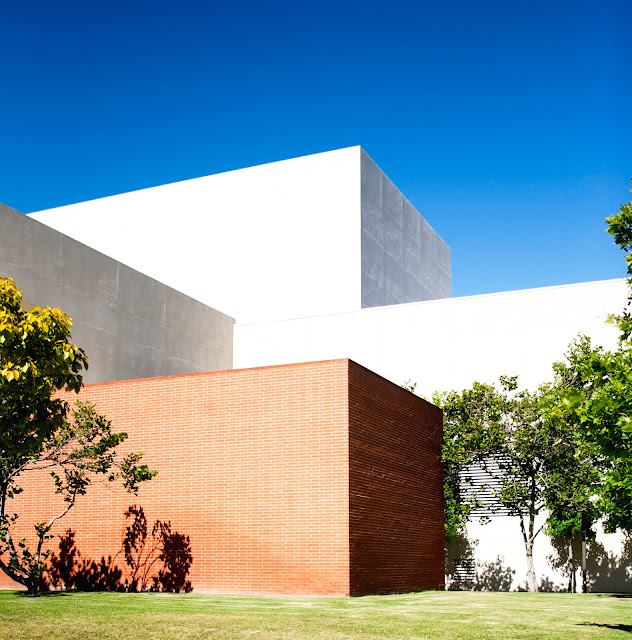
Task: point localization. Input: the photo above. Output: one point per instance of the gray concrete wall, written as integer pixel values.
(130, 325)
(403, 258)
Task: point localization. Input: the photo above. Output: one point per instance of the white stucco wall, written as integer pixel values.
(609, 568)
(279, 240)
(448, 344)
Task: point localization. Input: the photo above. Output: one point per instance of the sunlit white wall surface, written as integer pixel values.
(279, 240)
(446, 344)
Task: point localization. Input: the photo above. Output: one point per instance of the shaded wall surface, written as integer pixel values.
(263, 480)
(396, 488)
(403, 257)
(130, 325)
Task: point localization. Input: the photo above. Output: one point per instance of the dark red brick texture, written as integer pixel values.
(396, 532)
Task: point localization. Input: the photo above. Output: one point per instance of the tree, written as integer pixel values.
(39, 431)
(572, 481)
(594, 394)
(504, 432)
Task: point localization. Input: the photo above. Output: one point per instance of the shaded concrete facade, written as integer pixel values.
(130, 325)
(403, 258)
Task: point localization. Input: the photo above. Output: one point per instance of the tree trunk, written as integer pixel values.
(532, 585)
(32, 587)
(584, 572)
(571, 565)
(528, 538)
(568, 564)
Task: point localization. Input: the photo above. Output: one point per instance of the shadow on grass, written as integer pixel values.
(614, 627)
(42, 594)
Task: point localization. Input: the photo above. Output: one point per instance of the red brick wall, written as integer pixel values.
(318, 478)
(252, 467)
(396, 488)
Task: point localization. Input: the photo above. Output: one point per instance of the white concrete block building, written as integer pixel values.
(322, 234)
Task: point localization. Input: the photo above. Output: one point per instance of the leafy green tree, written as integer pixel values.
(593, 392)
(596, 401)
(572, 482)
(456, 456)
(39, 431)
(553, 451)
(502, 431)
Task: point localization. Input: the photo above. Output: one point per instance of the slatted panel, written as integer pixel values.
(464, 573)
(478, 483)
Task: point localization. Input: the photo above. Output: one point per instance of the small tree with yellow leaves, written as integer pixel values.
(40, 431)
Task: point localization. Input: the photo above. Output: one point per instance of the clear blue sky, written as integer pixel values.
(507, 124)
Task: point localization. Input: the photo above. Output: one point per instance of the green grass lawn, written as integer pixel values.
(429, 615)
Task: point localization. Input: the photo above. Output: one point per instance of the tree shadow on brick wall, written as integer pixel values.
(150, 559)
